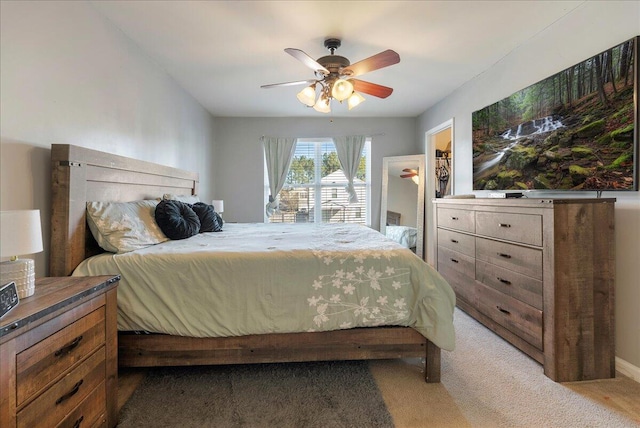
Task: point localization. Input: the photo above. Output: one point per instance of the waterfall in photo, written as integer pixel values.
(526, 129)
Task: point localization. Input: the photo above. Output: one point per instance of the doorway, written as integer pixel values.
(439, 150)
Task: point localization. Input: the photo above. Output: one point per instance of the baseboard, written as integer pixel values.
(628, 369)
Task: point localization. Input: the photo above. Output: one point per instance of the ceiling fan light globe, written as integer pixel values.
(354, 100)
(416, 179)
(307, 96)
(341, 89)
(322, 105)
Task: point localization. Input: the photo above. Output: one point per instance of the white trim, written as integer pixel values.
(430, 187)
(628, 369)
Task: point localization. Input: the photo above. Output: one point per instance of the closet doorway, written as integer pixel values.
(439, 150)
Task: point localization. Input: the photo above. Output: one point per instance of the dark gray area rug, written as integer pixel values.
(319, 394)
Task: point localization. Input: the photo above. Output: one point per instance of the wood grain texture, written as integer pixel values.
(53, 349)
(80, 175)
(568, 245)
(355, 344)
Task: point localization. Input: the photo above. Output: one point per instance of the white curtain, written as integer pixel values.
(279, 152)
(349, 150)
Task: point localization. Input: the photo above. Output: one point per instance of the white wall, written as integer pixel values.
(69, 76)
(239, 167)
(590, 29)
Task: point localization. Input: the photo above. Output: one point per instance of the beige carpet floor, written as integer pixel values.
(488, 383)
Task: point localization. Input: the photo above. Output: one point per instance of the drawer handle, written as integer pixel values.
(454, 260)
(71, 393)
(455, 241)
(454, 218)
(504, 281)
(78, 422)
(506, 256)
(504, 311)
(68, 348)
(504, 225)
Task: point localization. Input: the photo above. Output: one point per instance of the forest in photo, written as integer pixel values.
(571, 131)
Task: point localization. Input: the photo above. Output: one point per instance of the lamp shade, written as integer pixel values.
(20, 233)
(322, 105)
(218, 205)
(341, 90)
(354, 100)
(307, 96)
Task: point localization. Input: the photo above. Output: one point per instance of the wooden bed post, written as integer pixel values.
(432, 363)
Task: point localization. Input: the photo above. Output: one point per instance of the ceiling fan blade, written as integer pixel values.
(381, 60)
(371, 88)
(278, 85)
(407, 175)
(411, 170)
(307, 60)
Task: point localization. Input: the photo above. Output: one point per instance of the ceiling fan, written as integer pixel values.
(412, 174)
(335, 77)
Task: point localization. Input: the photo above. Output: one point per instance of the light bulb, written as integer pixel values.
(354, 100)
(307, 96)
(341, 89)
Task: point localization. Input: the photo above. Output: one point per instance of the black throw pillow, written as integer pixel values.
(210, 221)
(177, 220)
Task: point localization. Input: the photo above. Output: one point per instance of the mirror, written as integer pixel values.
(402, 202)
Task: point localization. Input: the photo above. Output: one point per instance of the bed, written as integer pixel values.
(406, 236)
(81, 175)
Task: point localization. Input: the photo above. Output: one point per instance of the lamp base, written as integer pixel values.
(23, 273)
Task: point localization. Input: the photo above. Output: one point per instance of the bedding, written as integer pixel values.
(120, 227)
(278, 278)
(404, 235)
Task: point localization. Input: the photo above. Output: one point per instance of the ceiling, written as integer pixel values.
(221, 52)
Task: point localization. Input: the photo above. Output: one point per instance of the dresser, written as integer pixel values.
(538, 272)
(58, 353)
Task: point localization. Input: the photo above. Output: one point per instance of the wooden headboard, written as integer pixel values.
(80, 175)
(393, 218)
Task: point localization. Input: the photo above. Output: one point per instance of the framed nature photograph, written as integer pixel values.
(575, 130)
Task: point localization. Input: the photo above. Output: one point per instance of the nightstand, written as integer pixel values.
(58, 353)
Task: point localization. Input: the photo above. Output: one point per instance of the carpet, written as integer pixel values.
(319, 394)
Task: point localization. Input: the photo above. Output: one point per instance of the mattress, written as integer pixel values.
(278, 278)
(404, 235)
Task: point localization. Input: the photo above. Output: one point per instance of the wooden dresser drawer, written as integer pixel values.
(51, 407)
(516, 285)
(527, 261)
(40, 365)
(459, 271)
(465, 244)
(456, 219)
(521, 228)
(521, 319)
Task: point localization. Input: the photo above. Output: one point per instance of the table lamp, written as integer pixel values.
(218, 206)
(20, 233)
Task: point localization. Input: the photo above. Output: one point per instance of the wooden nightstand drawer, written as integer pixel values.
(465, 244)
(521, 228)
(51, 407)
(527, 261)
(523, 320)
(42, 363)
(516, 285)
(463, 220)
(89, 413)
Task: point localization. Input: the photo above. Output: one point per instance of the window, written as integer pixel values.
(315, 188)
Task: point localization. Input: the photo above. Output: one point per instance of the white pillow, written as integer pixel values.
(189, 199)
(120, 227)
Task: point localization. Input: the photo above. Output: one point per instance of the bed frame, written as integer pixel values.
(80, 175)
